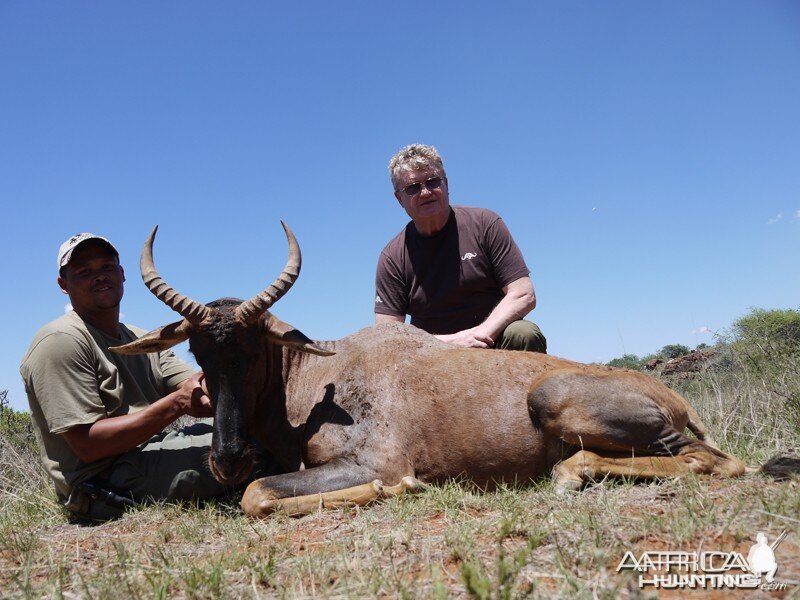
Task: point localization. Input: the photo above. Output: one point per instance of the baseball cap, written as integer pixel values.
(68, 247)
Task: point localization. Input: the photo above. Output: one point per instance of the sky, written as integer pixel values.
(645, 156)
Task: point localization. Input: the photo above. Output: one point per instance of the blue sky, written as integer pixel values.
(644, 155)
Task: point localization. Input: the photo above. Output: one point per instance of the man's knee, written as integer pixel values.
(175, 467)
(170, 467)
(522, 335)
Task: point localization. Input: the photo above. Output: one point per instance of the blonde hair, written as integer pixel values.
(415, 156)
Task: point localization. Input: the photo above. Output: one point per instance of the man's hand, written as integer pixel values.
(192, 397)
(112, 436)
(469, 338)
(518, 301)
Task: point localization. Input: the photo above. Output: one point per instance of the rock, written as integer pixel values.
(653, 363)
(689, 363)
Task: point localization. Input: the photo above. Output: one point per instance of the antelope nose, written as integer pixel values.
(232, 465)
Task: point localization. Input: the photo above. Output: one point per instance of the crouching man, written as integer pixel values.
(99, 416)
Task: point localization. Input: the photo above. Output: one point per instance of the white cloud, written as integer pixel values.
(775, 219)
(702, 329)
(797, 215)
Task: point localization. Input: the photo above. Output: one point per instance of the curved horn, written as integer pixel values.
(191, 310)
(250, 311)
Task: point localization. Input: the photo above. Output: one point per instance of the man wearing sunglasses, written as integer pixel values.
(455, 269)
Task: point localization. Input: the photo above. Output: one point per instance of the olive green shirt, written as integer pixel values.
(72, 378)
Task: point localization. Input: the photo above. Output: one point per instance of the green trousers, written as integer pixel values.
(522, 335)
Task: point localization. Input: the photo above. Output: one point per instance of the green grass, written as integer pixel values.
(449, 541)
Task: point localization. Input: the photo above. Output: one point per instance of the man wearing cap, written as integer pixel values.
(455, 269)
(99, 416)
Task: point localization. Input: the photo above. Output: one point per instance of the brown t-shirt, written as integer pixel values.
(452, 280)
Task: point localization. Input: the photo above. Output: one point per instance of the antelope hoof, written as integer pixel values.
(413, 485)
(562, 488)
(408, 484)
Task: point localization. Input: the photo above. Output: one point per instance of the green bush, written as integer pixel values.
(637, 363)
(626, 361)
(768, 344)
(768, 330)
(16, 428)
(673, 351)
(27, 496)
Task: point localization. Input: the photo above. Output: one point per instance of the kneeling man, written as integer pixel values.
(455, 269)
(99, 416)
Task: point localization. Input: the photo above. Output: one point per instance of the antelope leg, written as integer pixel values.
(695, 458)
(334, 484)
(359, 495)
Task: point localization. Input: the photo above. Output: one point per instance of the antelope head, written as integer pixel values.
(232, 342)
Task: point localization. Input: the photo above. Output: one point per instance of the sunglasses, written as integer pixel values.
(415, 188)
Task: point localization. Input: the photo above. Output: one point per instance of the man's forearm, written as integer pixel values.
(117, 435)
(508, 310)
(518, 301)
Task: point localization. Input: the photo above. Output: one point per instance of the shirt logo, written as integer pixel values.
(378, 300)
(469, 256)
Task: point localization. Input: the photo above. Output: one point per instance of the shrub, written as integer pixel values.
(16, 428)
(768, 344)
(673, 351)
(768, 331)
(626, 361)
(26, 493)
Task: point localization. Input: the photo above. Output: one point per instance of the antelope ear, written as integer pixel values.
(284, 334)
(157, 340)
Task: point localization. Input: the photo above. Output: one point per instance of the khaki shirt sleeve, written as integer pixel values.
(173, 370)
(62, 375)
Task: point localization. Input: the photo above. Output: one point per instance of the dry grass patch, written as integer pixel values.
(447, 542)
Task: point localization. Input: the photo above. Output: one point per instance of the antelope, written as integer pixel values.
(391, 403)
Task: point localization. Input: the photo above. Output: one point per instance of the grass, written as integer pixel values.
(449, 541)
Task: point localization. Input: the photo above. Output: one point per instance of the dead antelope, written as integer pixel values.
(393, 403)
